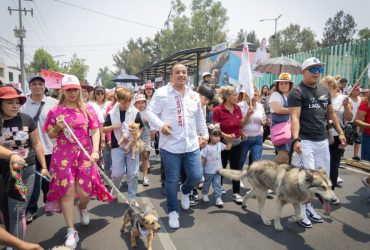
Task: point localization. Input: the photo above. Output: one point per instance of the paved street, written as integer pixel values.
(208, 227)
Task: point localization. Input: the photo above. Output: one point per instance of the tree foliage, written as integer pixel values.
(42, 60)
(106, 76)
(364, 33)
(251, 38)
(77, 67)
(292, 40)
(205, 26)
(339, 29)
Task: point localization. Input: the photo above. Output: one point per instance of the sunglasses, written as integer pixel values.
(216, 134)
(314, 70)
(286, 83)
(99, 93)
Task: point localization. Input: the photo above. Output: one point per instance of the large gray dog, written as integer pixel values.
(291, 185)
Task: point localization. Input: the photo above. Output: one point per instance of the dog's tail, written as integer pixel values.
(235, 175)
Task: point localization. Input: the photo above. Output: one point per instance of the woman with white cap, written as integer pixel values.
(18, 133)
(72, 171)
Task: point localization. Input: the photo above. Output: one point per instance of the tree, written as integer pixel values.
(134, 57)
(364, 33)
(339, 29)
(292, 40)
(77, 67)
(106, 76)
(42, 60)
(251, 38)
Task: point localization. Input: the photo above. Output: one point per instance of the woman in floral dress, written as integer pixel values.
(72, 173)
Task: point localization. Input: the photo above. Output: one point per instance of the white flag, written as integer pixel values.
(99, 82)
(245, 71)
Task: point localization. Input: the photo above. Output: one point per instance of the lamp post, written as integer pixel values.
(276, 20)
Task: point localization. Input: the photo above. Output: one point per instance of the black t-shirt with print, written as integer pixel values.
(122, 115)
(15, 135)
(313, 103)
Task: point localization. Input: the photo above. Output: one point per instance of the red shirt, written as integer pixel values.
(230, 123)
(365, 108)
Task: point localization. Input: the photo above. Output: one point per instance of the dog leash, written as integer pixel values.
(110, 182)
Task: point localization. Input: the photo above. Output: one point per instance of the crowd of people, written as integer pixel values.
(57, 145)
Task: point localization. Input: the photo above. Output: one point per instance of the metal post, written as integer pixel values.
(21, 33)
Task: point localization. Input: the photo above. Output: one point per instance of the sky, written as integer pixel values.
(63, 30)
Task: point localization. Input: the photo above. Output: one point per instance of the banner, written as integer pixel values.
(245, 71)
(53, 79)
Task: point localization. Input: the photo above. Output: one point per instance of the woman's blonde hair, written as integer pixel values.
(80, 103)
(330, 82)
(225, 91)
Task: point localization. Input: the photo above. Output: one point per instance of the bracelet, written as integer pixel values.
(341, 133)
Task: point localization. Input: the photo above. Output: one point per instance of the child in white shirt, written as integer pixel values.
(211, 161)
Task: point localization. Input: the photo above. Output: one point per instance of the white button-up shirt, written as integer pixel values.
(183, 113)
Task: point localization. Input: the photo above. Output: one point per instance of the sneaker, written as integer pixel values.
(311, 213)
(84, 215)
(356, 158)
(305, 222)
(339, 180)
(205, 198)
(241, 184)
(72, 238)
(335, 200)
(196, 194)
(219, 203)
(192, 200)
(365, 182)
(133, 202)
(173, 220)
(237, 198)
(185, 201)
(223, 191)
(29, 217)
(157, 158)
(146, 181)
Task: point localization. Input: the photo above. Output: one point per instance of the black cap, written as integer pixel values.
(36, 78)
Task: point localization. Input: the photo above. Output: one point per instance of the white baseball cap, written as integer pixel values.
(313, 61)
(70, 82)
(206, 74)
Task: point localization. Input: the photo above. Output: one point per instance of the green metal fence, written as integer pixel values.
(347, 60)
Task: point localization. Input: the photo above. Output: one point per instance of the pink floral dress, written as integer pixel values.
(68, 162)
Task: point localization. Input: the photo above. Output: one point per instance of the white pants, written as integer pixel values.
(314, 154)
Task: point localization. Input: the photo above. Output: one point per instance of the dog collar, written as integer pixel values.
(143, 232)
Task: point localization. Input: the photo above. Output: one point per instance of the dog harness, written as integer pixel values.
(143, 232)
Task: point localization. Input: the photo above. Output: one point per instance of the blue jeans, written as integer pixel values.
(107, 159)
(122, 163)
(173, 163)
(365, 147)
(215, 179)
(254, 145)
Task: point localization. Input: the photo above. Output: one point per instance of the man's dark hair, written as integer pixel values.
(343, 80)
(206, 91)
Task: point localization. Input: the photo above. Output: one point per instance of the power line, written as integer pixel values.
(108, 15)
(77, 46)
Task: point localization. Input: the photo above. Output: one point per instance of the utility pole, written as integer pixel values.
(21, 34)
(276, 21)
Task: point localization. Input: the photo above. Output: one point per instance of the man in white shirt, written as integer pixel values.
(176, 112)
(38, 106)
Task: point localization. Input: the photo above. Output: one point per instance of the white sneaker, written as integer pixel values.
(185, 201)
(241, 184)
(205, 198)
(72, 238)
(173, 219)
(146, 181)
(84, 215)
(219, 202)
(339, 180)
(157, 158)
(237, 198)
(305, 222)
(312, 214)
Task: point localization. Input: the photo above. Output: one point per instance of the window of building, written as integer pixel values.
(10, 76)
(1, 72)
(19, 78)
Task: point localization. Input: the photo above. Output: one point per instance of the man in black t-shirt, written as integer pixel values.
(310, 107)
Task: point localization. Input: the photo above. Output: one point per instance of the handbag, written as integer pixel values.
(348, 132)
(281, 133)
